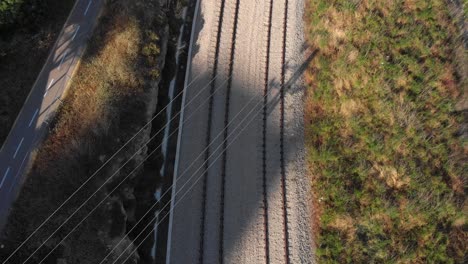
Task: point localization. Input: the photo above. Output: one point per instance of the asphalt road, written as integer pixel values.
(40, 107)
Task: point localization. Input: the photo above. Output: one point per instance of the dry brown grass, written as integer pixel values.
(107, 103)
(108, 77)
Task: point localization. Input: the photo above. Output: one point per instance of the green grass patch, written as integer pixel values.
(387, 167)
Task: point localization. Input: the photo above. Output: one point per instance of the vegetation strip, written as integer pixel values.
(88, 138)
(383, 132)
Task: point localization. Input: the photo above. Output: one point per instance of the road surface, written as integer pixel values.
(240, 189)
(40, 107)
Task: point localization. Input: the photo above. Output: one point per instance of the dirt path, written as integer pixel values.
(251, 205)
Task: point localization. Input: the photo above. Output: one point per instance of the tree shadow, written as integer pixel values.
(205, 218)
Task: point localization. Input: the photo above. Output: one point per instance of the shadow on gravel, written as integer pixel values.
(244, 169)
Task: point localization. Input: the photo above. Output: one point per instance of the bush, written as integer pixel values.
(21, 13)
(151, 51)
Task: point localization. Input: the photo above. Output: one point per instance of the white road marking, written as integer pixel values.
(34, 116)
(63, 57)
(89, 3)
(76, 32)
(4, 176)
(50, 84)
(18, 148)
(48, 87)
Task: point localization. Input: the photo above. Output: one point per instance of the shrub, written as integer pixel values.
(21, 13)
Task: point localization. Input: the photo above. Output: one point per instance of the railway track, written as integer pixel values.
(208, 134)
(243, 208)
(264, 137)
(226, 130)
(215, 71)
(282, 162)
(267, 87)
(214, 84)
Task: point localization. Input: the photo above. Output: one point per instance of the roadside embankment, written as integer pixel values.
(112, 96)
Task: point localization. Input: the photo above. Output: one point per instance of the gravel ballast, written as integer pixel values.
(239, 218)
